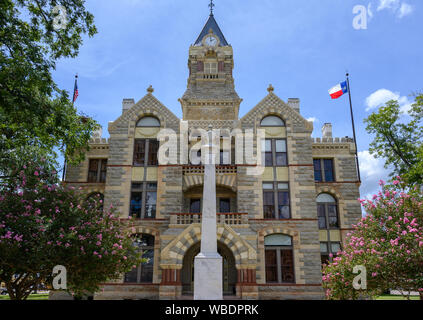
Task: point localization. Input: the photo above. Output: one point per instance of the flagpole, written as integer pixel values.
(353, 127)
(73, 102)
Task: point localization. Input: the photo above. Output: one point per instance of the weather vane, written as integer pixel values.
(211, 5)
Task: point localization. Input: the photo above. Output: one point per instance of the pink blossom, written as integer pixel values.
(36, 173)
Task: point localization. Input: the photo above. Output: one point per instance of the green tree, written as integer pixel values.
(44, 224)
(34, 112)
(399, 142)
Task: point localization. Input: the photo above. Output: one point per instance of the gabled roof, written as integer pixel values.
(211, 24)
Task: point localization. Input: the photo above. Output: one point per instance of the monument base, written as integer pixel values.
(208, 277)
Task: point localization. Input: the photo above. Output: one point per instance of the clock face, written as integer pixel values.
(211, 41)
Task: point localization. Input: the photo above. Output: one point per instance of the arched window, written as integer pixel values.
(279, 259)
(143, 273)
(272, 121)
(150, 122)
(327, 211)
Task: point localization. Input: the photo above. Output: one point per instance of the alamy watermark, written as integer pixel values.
(59, 280)
(360, 281)
(217, 146)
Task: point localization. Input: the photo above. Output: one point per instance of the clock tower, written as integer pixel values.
(210, 93)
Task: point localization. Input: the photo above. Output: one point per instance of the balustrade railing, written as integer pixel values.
(220, 169)
(221, 218)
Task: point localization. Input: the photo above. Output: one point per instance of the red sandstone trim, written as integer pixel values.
(199, 214)
(130, 284)
(306, 219)
(337, 182)
(84, 182)
(300, 165)
(120, 165)
(289, 285)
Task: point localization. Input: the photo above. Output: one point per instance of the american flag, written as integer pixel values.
(75, 90)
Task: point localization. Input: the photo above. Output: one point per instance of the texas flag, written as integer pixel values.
(338, 90)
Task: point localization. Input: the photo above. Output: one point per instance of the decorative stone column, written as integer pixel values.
(208, 263)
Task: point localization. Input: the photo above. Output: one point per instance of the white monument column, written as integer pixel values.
(208, 263)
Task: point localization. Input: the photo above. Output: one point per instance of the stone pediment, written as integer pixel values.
(148, 105)
(272, 104)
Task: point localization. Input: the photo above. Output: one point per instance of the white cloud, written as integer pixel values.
(381, 96)
(313, 119)
(372, 171)
(400, 8)
(388, 4)
(405, 10)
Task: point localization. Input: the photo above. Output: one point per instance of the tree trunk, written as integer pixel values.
(421, 295)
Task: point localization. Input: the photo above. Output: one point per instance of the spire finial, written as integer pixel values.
(270, 89)
(211, 5)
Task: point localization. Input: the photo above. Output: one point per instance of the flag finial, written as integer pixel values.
(211, 5)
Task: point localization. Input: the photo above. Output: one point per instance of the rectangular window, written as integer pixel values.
(268, 153)
(143, 200)
(139, 152)
(327, 248)
(279, 262)
(136, 201)
(321, 216)
(317, 170)
(269, 205)
(195, 206)
(276, 200)
(324, 252)
(275, 152)
(287, 266)
(281, 157)
(324, 170)
(146, 150)
(143, 273)
(103, 170)
(153, 150)
(271, 266)
(328, 165)
(147, 266)
(97, 170)
(224, 205)
(210, 67)
(93, 170)
(333, 216)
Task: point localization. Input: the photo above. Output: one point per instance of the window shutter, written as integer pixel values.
(221, 66)
(200, 66)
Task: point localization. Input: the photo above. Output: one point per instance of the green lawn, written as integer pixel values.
(43, 296)
(391, 297)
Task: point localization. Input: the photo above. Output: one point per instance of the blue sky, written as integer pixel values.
(301, 47)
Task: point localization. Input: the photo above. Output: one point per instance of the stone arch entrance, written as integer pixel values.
(229, 274)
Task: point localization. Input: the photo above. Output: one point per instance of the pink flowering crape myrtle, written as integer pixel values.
(44, 224)
(388, 241)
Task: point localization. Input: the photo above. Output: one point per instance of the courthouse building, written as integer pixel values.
(274, 230)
